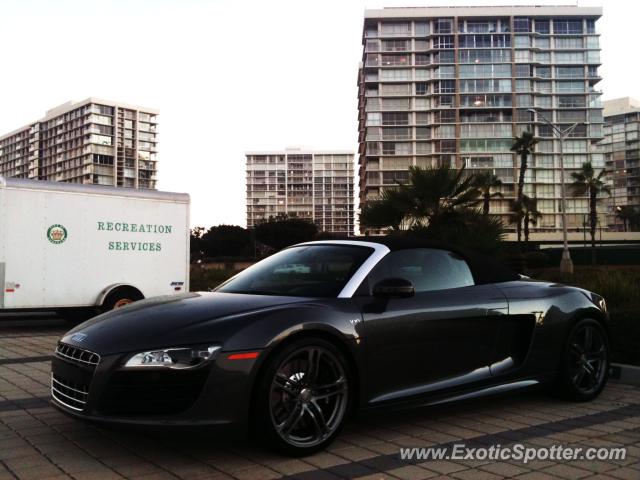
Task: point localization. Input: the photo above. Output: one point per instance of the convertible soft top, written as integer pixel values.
(484, 269)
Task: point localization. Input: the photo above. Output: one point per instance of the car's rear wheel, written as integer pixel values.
(585, 363)
(303, 397)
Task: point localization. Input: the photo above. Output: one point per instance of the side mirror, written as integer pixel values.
(394, 288)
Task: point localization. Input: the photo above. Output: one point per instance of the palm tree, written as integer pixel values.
(429, 193)
(523, 146)
(627, 214)
(587, 183)
(531, 214)
(486, 182)
(516, 215)
(526, 212)
(388, 212)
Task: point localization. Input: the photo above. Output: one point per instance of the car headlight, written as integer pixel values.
(603, 305)
(179, 358)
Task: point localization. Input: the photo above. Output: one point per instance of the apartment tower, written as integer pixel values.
(621, 149)
(91, 142)
(313, 185)
(454, 85)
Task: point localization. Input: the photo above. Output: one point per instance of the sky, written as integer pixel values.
(228, 76)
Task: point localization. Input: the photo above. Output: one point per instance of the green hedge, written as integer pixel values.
(620, 286)
(626, 336)
(202, 280)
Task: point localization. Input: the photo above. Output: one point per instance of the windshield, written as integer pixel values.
(305, 271)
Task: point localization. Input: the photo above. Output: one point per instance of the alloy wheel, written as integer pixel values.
(588, 357)
(308, 396)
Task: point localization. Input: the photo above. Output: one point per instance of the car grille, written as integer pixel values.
(77, 355)
(70, 394)
(72, 370)
(152, 393)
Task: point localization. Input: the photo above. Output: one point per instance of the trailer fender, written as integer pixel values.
(114, 289)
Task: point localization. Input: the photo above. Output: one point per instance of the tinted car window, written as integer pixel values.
(428, 269)
(307, 271)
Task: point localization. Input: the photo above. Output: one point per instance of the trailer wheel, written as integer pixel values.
(120, 297)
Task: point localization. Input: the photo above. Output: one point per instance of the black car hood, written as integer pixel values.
(175, 320)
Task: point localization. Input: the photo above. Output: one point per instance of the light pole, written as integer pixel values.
(566, 265)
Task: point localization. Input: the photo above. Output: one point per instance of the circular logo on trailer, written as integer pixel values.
(57, 234)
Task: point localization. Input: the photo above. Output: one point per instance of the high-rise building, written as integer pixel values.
(454, 86)
(621, 149)
(314, 185)
(91, 142)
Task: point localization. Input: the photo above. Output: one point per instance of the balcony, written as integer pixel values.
(396, 34)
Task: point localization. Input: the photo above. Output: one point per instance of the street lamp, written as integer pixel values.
(566, 265)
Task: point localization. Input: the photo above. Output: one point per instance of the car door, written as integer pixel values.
(441, 337)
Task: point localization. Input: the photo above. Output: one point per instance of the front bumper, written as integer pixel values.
(216, 394)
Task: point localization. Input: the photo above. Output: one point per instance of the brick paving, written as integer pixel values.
(39, 442)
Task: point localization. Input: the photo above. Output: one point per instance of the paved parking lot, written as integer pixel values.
(38, 442)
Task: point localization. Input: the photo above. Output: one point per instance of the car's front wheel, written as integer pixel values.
(585, 363)
(303, 397)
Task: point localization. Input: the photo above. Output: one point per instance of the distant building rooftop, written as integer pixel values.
(618, 106)
(483, 11)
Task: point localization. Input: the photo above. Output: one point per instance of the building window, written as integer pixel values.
(542, 26)
(523, 56)
(570, 57)
(570, 72)
(521, 25)
(570, 86)
(444, 56)
(423, 118)
(567, 27)
(571, 101)
(543, 42)
(446, 146)
(395, 89)
(543, 72)
(545, 131)
(445, 100)
(421, 29)
(392, 118)
(395, 45)
(401, 60)
(400, 28)
(446, 86)
(443, 41)
(568, 43)
(524, 70)
(422, 59)
(444, 25)
(484, 56)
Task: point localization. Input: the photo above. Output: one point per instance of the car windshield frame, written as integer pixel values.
(288, 261)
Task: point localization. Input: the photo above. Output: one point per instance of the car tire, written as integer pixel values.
(303, 398)
(584, 367)
(120, 298)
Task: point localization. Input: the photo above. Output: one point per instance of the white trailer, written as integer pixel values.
(85, 247)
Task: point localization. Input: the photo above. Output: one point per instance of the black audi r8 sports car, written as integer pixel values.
(291, 346)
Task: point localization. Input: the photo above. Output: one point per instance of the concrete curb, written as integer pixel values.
(622, 373)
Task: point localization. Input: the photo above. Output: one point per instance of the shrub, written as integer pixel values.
(202, 280)
(625, 333)
(536, 259)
